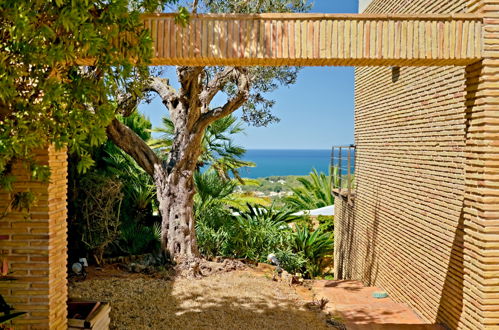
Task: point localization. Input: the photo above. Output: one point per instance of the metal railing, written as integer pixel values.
(343, 169)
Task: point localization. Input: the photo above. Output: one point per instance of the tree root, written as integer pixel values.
(199, 267)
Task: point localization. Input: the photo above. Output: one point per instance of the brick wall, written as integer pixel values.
(344, 231)
(425, 218)
(481, 216)
(35, 244)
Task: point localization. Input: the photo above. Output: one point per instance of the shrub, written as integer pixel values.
(99, 213)
(260, 231)
(315, 245)
(326, 223)
(137, 239)
(290, 261)
(212, 231)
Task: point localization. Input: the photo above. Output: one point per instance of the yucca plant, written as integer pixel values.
(315, 245)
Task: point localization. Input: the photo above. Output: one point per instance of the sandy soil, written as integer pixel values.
(236, 300)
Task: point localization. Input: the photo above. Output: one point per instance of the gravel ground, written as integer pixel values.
(235, 300)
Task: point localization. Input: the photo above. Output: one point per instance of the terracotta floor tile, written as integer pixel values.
(354, 305)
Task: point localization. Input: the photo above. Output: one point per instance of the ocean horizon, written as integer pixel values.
(285, 162)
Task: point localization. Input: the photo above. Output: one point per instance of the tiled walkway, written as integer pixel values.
(353, 305)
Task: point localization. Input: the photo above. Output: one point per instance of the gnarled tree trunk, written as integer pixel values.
(175, 191)
(190, 113)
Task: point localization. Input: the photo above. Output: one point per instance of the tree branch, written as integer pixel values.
(215, 86)
(195, 6)
(162, 87)
(190, 82)
(128, 102)
(133, 145)
(243, 89)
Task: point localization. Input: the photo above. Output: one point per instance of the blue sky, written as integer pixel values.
(315, 113)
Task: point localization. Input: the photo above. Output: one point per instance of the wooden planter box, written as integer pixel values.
(88, 315)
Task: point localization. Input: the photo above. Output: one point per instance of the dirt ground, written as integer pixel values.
(246, 300)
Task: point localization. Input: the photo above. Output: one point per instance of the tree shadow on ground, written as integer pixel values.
(234, 300)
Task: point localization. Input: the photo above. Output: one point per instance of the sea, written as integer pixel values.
(284, 162)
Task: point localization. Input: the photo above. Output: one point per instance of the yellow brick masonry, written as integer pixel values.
(482, 170)
(36, 246)
(425, 223)
(316, 39)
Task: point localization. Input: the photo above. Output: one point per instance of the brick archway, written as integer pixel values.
(36, 246)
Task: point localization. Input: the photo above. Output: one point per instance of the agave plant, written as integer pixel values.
(315, 192)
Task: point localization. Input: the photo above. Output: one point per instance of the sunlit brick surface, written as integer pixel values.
(425, 222)
(36, 246)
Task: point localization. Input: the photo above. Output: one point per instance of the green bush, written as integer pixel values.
(137, 239)
(315, 245)
(99, 213)
(212, 231)
(260, 232)
(326, 223)
(290, 261)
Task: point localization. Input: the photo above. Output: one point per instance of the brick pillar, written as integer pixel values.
(481, 212)
(35, 244)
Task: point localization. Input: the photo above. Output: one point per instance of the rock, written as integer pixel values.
(137, 268)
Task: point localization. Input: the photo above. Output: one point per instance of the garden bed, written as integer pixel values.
(234, 300)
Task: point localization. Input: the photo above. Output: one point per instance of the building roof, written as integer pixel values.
(327, 210)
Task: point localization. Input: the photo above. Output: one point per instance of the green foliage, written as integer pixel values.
(136, 232)
(44, 96)
(219, 233)
(218, 150)
(6, 181)
(326, 223)
(260, 231)
(213, 240)
(315, 192)
(137, 238)
(212, 192)
(99, 208)
(23, 201)
(256, 231)
(314, 245)
(290, 261)
(305, 221)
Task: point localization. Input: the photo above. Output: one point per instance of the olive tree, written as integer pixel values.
(191, 111)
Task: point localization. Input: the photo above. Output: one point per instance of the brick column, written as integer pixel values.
(35, 244)
(481, 212)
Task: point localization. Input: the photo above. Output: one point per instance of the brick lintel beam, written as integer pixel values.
(317, 39)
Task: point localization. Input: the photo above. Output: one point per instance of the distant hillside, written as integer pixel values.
(273, 186)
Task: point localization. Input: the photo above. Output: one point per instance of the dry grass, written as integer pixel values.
(235, 300)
